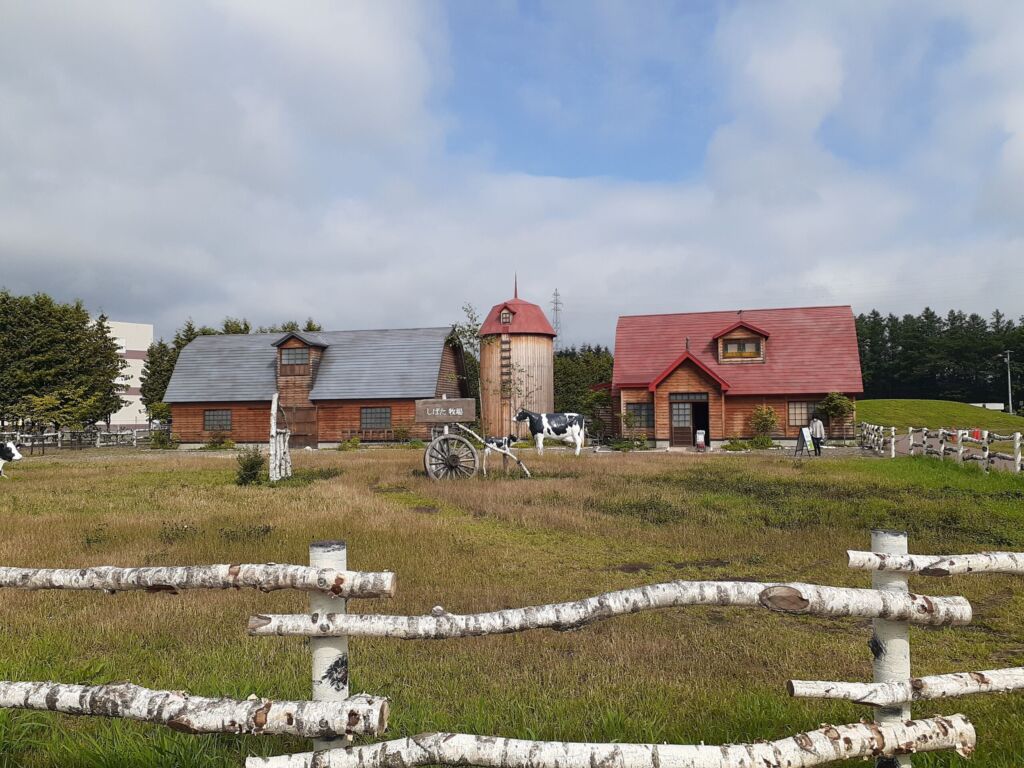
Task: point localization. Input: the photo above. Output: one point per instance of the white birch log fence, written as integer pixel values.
(939, 565)
(280, 463)
(825, 745)
(896, 692)
(882, 440)
(359, 715)
(266, 578)
(835, 602)
(333, 715)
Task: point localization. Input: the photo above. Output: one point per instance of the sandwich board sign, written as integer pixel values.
(803, 441)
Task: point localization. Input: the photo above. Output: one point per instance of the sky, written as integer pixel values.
(381, 163)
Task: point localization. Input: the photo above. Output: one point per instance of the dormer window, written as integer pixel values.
(741, 349)
(506, 317)
(295, 356)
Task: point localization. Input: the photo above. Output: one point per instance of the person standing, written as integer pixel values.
(817, 434)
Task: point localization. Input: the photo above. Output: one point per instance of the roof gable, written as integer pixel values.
(674, 365)
(306, 338)
(526, 318)
(741, 324)
(813, 350)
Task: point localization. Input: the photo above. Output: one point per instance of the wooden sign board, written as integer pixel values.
(459, 410)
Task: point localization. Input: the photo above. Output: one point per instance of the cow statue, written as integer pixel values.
(501, 445)
(8, 452)
(567, 427)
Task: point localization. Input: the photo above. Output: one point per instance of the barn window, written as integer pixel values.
(739, 349)
(506, 317)
(375, 418)
(640, 414)
(800, 413)
(217, 421)
(297, 356)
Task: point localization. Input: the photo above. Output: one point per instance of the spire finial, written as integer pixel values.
(515, 287)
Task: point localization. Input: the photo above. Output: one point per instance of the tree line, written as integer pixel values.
(59, 367)
(927, 356)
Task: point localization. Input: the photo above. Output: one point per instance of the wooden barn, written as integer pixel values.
(333, 385)
(679, 373)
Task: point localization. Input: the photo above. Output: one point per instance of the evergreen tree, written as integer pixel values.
(156, 373)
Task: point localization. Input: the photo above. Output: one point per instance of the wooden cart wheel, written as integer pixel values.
(450, 457)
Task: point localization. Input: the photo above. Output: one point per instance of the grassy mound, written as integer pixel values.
(935, 414)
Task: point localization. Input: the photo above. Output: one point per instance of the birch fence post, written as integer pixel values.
(960, 445)
(984, 449)
(330, 654)
(892, 442)
(890, 640)
(910, 440)
(1016, 453)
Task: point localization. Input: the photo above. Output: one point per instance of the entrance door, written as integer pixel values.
(682, 423)
(301, 420)
(688, 412)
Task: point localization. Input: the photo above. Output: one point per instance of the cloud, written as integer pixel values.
(252, 159)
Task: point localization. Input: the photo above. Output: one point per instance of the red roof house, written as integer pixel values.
(676, 374)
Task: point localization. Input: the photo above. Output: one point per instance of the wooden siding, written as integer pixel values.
(451, 376)
(250, 422)
(294, 382)
(739, 410)
(687, 378)
(534, 358)
(340, 420)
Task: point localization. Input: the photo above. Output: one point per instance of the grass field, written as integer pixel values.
(582, 526)
(935, 414)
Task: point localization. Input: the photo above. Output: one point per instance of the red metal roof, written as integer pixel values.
(526, 318)
(810, 350)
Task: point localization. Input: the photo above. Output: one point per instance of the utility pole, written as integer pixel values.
(556, 317)
(1005, 354)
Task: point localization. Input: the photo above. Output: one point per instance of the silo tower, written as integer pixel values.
(516, 365)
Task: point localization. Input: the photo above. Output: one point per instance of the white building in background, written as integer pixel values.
(133, 340)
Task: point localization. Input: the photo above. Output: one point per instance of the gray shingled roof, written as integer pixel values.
(356, 365)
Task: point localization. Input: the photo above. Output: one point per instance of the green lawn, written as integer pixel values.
(580, 527)
(935, 414)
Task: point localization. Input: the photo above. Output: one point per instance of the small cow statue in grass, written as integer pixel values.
(567, 427)
(502, 445)
(8, 452)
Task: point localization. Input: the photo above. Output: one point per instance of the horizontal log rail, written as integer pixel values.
(790, 598)
(825, 745)
(896, 692)
(358, 715)
(266, 578)
(939, 565)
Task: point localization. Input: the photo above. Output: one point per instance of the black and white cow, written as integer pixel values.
(8, 452)
(567, 427)
(498, 444)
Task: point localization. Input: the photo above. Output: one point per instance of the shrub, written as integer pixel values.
(219, 441)
(417, 443)
(401, 434)
(161, 440)
(761, 442)
(351, 444)
(836, 407)
(736, 445)
(250, 466)
(764, 420)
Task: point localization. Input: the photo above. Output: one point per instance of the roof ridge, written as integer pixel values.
(738, 311)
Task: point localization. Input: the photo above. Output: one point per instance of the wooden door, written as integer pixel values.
(301, 420)
(681, 415)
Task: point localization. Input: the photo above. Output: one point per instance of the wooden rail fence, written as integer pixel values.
(64, 439)
(332, 717)
(955, 444)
